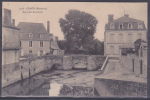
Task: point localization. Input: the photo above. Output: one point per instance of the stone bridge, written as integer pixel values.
(25, 68)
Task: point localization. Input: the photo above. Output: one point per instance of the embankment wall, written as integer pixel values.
(136, 65)
(120, 88)
(14, 72)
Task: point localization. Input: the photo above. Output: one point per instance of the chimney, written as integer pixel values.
(13, 22)
(48, 26)
(7, 16)
(127, 15)
(110, 18)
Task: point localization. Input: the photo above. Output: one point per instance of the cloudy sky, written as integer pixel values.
(56, 10)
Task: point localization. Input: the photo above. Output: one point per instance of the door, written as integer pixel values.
(111, 50)
(41, 53)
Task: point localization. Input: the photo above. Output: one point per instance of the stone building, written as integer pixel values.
(55, 49)
(10, 39)
(34, 39)
(10, 47)
(122, 31)
(135, 62)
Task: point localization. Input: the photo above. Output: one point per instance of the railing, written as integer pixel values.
(104, 64)
(10, 45)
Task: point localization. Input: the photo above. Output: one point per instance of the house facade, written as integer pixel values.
(34, 39)
(10, 39)
(122, 31)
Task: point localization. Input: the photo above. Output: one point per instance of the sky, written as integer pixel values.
(53, 11)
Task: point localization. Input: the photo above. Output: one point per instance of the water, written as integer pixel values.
(40, 86)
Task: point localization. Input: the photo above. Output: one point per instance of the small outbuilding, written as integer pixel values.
(55, 50)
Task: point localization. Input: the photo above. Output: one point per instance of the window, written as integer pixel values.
(120, 38)
(111, 49)
(140, 36)
(20, 35)
(111, 37)
(20, 43)
(112, 26)
(41, 53)
(41, 43)
(129, 37)
(41, 35)
(120, 26)
(30, 52)
(30, 35)
(140, 26)
(129, 25)
(30, 43)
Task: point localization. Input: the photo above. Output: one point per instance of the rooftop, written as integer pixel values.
(28, 27)
(55, 46)
(125, 21)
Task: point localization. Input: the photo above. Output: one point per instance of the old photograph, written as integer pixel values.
(74, 49)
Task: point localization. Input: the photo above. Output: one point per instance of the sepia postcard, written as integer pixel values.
(74, 49)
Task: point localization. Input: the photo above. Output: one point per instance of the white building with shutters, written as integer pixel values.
(122, 31)
(34, 39)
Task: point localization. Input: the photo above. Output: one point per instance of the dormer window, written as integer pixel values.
(112, 26)
(130, 27)
(140, 26)
(41, 35)
(120, 26)
(30, 35)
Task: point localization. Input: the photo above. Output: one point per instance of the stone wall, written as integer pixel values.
(16, 71)
(79, 61)
(120, 88)
(25, 88)
(137, 69)
(27, 67)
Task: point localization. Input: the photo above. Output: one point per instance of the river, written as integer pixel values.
(55, 83)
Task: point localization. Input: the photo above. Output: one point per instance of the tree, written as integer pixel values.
(77, 27)
(62, 44)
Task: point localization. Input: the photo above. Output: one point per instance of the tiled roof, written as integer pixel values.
(35, 37)
(55, 46)
(28, 27)
(125, 20)
(36, 29)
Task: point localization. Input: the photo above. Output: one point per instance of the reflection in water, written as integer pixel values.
(55, 89)
(42, 87)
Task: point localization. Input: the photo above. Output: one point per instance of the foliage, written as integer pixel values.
(137, 44)
(62, 44)
(79, 28)
(94, 47)
(76, 26)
